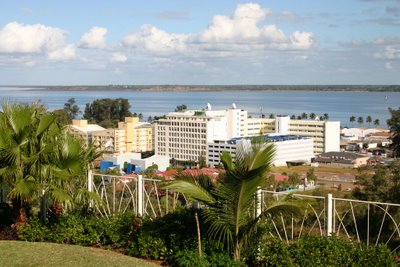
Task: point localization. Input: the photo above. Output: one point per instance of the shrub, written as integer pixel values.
(323, 251)
(191, 258)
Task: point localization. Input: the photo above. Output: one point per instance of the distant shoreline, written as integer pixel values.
(219, 88)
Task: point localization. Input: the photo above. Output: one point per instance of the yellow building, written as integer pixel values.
(139, 136)
(102, 138)
(130, 136)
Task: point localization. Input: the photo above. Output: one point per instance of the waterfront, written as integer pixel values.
(339, 105)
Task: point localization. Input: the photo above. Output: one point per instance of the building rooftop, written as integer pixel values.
(89, 128)
(269, 138)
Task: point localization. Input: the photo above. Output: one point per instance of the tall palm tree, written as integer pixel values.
(38, 159)
(352, 119)
(360, 120)
(325, 116)
(230, 201)
(313, 115)
(368, 119)
(376, 122)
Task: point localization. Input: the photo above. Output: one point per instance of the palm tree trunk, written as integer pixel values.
(43, 207)
(236, 251)
(198, 233)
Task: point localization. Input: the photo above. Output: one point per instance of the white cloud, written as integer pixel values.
(65, 53)
(388, 66)
(35, 39)
(224, 36)
(152, 39)
(94, 38)
(118, 57)
(391, 52)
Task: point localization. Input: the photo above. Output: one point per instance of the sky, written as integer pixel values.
(208, 42)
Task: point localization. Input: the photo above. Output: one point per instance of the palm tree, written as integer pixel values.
(368, 119)
(376, 122)
(352, 119)
(293, 117)
(229, 201)
(325, 117)
(360, 120)
(304, 116)
(38, 159)
(313, 116)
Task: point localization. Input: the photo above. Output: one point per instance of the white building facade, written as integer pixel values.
(288, 148)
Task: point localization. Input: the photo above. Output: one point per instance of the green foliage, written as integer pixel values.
(71, 109)
(394, 126)
(180, 108)
(38, 159)
(107, 112)
(83, 230)
(294, 179)
(191, 258)
(230, 200)
(323, 251)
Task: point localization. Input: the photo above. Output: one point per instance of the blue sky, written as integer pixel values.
(199, 42)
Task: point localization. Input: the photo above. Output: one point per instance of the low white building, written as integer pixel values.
(161, 161)
(136, 159)
(288, 148)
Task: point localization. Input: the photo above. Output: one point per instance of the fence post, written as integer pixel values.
(140, 195)
(258, 202)
(329, 214)
(90, 181)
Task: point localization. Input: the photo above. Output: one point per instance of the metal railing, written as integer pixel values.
(365, 222)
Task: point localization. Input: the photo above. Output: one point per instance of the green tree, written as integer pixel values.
(293, 117)
(180, 108)
(71, 108)
(304, 116)
(394, 127)
(311, 175)
(38, 159)
(230, 199)
(360, 120)
(352, 119)
(294, 179)
(107, 112)
(325, 117)
(271, 116)
(368, 119)
(376, 122)
(61, 117)
(313, 116)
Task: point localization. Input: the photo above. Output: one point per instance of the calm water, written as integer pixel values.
(339, 105)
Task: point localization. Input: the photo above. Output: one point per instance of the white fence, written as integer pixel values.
(140, 195)
(365, 222)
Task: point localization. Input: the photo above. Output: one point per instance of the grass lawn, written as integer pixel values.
(20, 253)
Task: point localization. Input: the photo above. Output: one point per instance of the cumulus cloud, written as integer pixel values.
(391, 52)
(118, 57)
(35, 39)
(241, 31)
(152, 39)
(94, 38)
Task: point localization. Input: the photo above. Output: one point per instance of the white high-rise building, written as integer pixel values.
(184, 135)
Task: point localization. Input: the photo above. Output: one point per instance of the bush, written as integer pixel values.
(191, 258)
(324, 251)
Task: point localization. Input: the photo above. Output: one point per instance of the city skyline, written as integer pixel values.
(184, 42)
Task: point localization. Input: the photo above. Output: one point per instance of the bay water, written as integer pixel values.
(339, 105)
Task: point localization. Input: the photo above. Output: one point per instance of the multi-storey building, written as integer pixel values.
(130, 136)
(139, 136)
(288, 148)
(326, 134)
(184, 135)
(107, 140)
